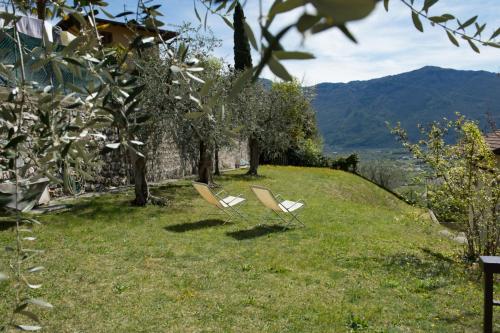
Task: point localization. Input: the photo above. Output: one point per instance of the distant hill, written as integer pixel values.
(353, 115)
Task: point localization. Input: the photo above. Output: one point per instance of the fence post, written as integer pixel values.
(490, 265)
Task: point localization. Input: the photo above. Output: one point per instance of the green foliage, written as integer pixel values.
(48, 131)
(285, 126)
(308, 153)
(290, 127)
(471, 37)
(196, 116)
(464, 180)
(41, 128)
(350, 163)
(447, 208)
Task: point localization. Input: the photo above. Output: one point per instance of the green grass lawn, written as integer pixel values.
(365, 261)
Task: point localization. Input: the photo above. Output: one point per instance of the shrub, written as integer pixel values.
(307, 154)
(349, 163)
(465, 180)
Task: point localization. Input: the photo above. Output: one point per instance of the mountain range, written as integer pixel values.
(353, 115)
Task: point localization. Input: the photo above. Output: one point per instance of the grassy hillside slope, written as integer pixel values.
(365, 261)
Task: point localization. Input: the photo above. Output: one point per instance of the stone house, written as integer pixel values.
(114, 33)
(493, 141)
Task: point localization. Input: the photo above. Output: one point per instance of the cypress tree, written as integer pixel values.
(242, 61)
(242, 55)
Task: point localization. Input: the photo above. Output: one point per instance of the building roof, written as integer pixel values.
(493, 140)
(66, 24)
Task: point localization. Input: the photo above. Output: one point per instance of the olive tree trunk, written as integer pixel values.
(253, 145)
(205, 164)
(140, 182)
(216, 156)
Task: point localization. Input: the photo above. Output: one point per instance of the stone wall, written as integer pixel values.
(164, 161)
(230, 158)
(114, 170)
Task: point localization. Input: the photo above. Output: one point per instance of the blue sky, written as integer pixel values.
(388, 42)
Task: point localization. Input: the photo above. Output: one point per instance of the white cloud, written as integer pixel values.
(388, 42)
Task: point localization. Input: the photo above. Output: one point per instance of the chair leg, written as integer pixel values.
(290, 221)
(286, 222)
(229, 215)
(296, 218)
(234, 213)
(234, 210)
(264, 219)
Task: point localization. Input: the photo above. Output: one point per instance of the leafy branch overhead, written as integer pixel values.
(327, 15)
(322, 15)
(54, 128)
(469, 30)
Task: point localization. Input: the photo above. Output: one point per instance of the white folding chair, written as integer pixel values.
(226, 203)
(285, 210)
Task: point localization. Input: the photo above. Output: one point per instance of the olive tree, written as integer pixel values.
(279, 119)
(193, 115)
(290, 105)
(42, 127)
(45, 128)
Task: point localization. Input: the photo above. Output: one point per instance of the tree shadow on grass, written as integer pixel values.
(436, 255)
(239, 177)
(423, 274)
(434, 265)
(255, 232)
(6, 225)
(191, 226)
(175, 192)
(100, 206)
(178, 196)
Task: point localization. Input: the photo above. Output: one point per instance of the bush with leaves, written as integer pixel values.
(349, 163)
(42, 128)
(465, 176)
(308, 153)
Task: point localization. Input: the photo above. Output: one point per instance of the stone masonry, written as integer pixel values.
(164, 161)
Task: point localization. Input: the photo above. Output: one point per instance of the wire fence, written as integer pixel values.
(40, 76)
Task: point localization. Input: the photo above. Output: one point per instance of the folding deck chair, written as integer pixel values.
(226, 203)
(280, 207)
